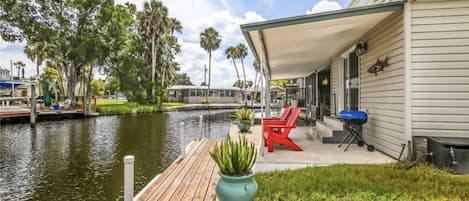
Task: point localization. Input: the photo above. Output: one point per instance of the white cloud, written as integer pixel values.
(193, 58)
(3, 44)
(324, 5)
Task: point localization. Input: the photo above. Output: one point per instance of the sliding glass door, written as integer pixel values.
(351, 81)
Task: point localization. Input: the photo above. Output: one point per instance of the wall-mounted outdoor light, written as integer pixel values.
(378, 66)
(361, 48)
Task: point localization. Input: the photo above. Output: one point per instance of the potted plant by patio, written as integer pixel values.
(235, 160)
(244, 117)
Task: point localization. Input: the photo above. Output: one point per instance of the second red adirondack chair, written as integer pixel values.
(284, 116)
(282, 120)
(278, 133)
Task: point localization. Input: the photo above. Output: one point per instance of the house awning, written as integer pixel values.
(297, 46)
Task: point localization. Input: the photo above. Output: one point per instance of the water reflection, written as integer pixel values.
(82, 159)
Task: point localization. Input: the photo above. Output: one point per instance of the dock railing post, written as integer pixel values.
(181, 133)
(129, 178)
(201, 126)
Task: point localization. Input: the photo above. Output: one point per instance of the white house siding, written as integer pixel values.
(382, 95)
(440, 68)
(335, 71)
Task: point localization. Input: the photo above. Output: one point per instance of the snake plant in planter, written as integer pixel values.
(235, 160)
(244, 116)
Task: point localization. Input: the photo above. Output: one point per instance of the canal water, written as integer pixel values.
(82, 159)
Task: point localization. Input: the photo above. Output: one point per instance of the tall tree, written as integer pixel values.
(175, 26)
(210, 41)
(19, 65)
(231, 53)
(242, 53)
(36, 51)
(69, 28)
(153, 23)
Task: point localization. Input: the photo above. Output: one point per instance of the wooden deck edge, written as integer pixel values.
(145, 188)
(149, 184)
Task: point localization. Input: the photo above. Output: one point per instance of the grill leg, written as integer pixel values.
(356, 135)
(350, 143)
(345, 138)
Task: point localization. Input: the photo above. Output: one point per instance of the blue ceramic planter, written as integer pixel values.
(236, 188)
(244, 125)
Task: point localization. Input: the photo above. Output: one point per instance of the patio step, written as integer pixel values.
(335, 123)
(330, 131)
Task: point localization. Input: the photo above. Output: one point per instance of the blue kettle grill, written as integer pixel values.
(354, 121)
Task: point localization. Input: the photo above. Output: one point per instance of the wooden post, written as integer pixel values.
(33, 105)
(201, 126)
(129, 178)
(181, 133)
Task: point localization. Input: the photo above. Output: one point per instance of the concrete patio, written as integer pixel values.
(314, 153)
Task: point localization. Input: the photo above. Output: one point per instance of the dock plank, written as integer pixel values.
(210, 194)
(192, 173)
(187, 178)
(153, 187)
(169, 187)
(202, 189)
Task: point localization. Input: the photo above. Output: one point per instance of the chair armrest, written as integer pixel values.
(274, 118)
(275, 122)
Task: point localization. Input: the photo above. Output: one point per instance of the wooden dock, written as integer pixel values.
(193, 177)
(19, 112)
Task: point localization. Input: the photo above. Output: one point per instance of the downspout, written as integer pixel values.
(408, 78)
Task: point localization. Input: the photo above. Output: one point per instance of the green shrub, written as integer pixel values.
(244, 114)
(205, 101)
(235, 158)
(118, 107)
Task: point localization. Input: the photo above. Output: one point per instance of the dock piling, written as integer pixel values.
(201, 126)
(129, 178)
(33, 106)
(181, 133)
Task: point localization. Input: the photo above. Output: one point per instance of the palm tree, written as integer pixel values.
(210, 41)
(242, 52)
(174, 26)
(36, 52)
(153, 23)
(19, 65)
(231, 53)
(257, 68)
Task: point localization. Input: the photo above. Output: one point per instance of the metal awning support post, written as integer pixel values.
(262, 63)
(264, 59)
(268, 97)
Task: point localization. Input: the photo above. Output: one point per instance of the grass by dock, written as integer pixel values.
(362, 182)
(122, 107)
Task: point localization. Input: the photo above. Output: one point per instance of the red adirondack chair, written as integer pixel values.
(282, 120)
(278, 133)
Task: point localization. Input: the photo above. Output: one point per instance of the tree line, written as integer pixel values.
(75, 39)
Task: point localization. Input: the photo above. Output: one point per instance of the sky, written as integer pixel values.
(196, 15)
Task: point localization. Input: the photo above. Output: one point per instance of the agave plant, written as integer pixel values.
(243, 114)
(235, 158)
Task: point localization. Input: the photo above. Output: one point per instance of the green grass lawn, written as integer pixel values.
(120, 107)
(362, 183)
